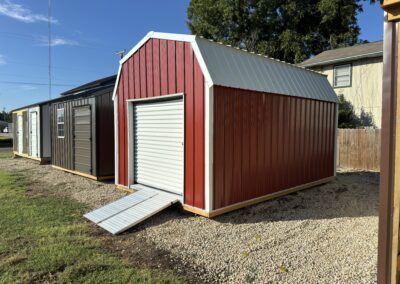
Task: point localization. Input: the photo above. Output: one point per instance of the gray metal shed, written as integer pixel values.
(82, 130)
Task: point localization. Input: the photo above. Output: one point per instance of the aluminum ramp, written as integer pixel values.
(129, 211)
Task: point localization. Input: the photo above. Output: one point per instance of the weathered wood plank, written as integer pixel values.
(359, 149)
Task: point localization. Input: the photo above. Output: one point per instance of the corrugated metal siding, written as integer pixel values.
(45, 131)
(264, 143)
(62, 148)
(162, 67)
(102, 133)
(105, 134)
(235, 68)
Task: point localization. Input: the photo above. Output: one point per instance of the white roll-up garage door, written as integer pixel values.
(159, 138)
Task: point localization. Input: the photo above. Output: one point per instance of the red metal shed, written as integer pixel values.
(222, 127)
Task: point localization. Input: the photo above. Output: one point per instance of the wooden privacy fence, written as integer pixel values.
(359, 149)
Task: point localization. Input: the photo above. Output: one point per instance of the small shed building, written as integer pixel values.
(221, 127)
(82, 130)
(31, 132)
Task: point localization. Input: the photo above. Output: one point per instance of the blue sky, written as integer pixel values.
(86, 36)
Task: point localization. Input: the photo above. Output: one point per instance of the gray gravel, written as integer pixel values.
(327, 234)
(89, 192)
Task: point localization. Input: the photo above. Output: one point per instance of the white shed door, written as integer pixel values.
(159, 150)
(34, 134)
(20, 133)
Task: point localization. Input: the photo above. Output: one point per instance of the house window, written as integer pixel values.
(342, 76)
(60, 123)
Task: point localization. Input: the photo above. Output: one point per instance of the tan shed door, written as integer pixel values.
(82, 139)
(158, 138)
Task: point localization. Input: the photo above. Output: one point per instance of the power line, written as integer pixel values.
(53, 67)
(36, 84)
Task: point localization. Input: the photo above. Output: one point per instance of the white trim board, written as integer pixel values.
(159, 98)
(209, 151)
(116, 140)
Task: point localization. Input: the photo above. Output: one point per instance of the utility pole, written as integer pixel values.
(49, 28)
(121, 53)
(389, 193)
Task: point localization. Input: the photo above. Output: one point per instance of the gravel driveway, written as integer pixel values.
(327, 234)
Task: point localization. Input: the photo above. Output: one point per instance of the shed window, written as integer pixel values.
(342, 76)
(60, 123)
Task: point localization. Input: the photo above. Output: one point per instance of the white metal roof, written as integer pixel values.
(231, 67)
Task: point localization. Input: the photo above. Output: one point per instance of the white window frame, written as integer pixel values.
(61, 110)
(350, 75)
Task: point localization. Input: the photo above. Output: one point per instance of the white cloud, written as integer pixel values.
(63, 41)
(2, 60)
(20, 13)
(56, 41)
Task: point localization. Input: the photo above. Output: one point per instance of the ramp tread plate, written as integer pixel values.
(136, 214)
(116, 207)
(128, 211)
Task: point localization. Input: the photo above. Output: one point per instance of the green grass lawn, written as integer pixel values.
(44, 239)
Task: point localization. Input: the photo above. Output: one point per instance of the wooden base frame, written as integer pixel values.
(42, 161)
(83, 174)
(125, 188)
(253, 201)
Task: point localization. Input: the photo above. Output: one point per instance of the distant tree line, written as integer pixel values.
(289, 30)
(5, 116)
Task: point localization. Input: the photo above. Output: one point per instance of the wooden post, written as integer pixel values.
(389, 195)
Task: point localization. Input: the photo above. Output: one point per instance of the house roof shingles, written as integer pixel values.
(359, 51)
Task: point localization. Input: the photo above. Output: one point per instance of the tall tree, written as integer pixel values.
(290, 30)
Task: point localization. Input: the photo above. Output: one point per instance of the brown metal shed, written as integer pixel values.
(82, 130)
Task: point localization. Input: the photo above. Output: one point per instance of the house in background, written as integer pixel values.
(355, 72)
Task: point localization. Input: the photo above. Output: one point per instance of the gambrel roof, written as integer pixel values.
(226, 66)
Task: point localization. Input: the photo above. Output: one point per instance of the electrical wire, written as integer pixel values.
(35, 83)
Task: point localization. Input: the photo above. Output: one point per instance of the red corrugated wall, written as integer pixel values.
(162, 67)
(264, 143)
